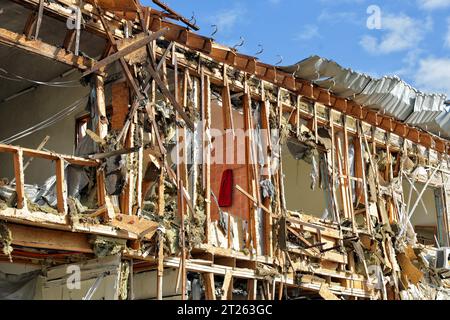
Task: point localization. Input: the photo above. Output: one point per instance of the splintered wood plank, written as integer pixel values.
(49, 239)
(226, 104)
(227, 285)
(326, 294)
(61, 186)
(20, 183)
(139, 226)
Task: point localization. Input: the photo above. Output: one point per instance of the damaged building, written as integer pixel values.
(142, 160)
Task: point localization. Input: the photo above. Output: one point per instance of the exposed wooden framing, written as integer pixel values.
(227, 111)
(176, 15)
(206, 116)
(210, 289)
(42, 238)
(252, 288)
(363, 176)
(29, 25)
(43, 49)
(160, 275)
(267, 175)
(348, 173)
(102, 124)
(263, 71)
(255, 174)
(342, 182)
(125, 67)
(27, 164)
(183, 253)
(125, 51)
(227, 285)
(127, 196)
(171, 98)
(161, 210)
(140, 172)
(78, 19)
(61, 186)
(69, 39)
(20, 183)
(253, 200)
(250, 174)
(40, 13)
(358, 163)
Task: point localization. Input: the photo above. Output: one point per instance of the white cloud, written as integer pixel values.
(308, 32)
(433, 4)
(400, 33)
(226, 20)
(433, 75)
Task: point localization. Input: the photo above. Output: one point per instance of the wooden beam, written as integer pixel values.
(40, 14)
(29, 25)
(102, 124)
(20, 183)
(176, 15)
(41, 238)
(61, 186)
(210, 289)
(227, 285)
(43, 49)
(49, 155)
(252, 288)
(206, 108)
(125, 51)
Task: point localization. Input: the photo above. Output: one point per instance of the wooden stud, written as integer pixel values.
(61, 186)
(20, 179)
(206, 107)
(252, 288)
(227, 285)
(210, 289)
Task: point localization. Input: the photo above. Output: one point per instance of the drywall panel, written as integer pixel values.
(425, 214)
(297, 187)
(144, 285)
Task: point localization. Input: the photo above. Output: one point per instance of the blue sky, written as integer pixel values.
(412, 41)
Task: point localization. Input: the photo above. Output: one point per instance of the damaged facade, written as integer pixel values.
(153, 163)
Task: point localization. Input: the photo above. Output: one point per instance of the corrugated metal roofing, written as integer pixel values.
(390, 95)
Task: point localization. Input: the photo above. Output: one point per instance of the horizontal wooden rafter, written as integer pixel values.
(38, 47)
(49, 155)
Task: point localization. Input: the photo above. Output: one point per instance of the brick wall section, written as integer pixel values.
(120, 104)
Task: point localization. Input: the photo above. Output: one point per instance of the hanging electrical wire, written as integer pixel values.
(46, 123)
(15, 77)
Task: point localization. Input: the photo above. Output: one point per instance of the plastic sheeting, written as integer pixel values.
(388, 95)
(18, 287)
